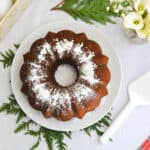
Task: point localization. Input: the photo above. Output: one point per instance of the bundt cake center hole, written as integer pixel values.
(65, 75)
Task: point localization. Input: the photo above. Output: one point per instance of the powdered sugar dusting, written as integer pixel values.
(80, 55)
(87, 72)
(55, 98)
(45, 49)
(82, 92)
(43, 93)
(85, 58)
(63, 46)
(35, 73)
(58, 98)
(86, 66)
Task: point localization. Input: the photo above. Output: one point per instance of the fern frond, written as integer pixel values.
(88, 10)
(7, 58)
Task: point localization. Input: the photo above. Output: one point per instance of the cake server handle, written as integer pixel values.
(117, 122)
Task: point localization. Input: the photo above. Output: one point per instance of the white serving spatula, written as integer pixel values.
(139, 93)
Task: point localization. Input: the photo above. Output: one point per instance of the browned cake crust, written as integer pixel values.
(48, 67)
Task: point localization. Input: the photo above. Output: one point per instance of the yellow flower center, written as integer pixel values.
(136, 22)
(141, 7)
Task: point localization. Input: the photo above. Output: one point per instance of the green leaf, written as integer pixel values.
(32, 133)
(6, 58)
(99, 132)
(98, 126)
(20, 116)
(34, 146)
(51, 137)
(88, 10)
(87, 131)
(59, 142)
(68, 134)
(22, 126)
(9, 108)
(48, 136)
(49, 142)
(105, 122)
(4, 107)
(17, 46)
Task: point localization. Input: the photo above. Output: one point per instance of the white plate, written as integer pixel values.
(91, 117)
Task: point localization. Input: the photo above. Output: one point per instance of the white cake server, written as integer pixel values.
(139, 93)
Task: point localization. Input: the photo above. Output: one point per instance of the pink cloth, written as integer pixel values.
(145, 145)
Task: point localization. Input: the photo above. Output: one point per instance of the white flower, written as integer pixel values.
(142, 5)
(141, 34)
(133, 21)
(107, 8)
(145, 31)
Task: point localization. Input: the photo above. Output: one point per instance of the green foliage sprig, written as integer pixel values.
(100, 11)
(51, 137)
(7, 57)
(88, 10)
(12, 108)
(98, 127)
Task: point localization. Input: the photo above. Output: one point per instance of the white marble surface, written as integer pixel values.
(134, 61)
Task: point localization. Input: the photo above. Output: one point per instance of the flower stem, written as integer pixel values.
(57, 6)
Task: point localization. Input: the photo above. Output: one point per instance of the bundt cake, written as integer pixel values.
(64, 75)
